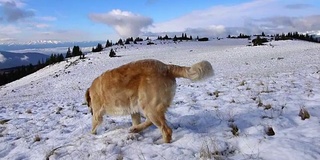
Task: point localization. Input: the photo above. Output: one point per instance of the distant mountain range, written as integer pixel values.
(10, 59)
(46, 44)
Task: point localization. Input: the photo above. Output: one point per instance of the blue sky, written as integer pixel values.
(85, 20)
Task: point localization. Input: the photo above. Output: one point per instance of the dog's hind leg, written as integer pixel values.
(96, 121)
(141, 127)
(159, 120)
(136, 120)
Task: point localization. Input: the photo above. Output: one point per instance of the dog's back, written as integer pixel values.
(145, 86)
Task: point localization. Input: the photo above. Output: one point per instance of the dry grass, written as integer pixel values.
(213, 150)
(267, 106)
(29, 111)
(59, 109)
(4, 121)
(270, 131)
(234, 129)
(304, 114)
(37, 138)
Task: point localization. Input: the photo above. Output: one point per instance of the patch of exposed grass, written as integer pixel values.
(37, 138)
(270, 131)
(267, 106)
(4, 121)
(234, 129)
(214, 150)
(304, 114)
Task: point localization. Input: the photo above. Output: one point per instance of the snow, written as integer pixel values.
(24, 58)
(2, 58)
(44, 116)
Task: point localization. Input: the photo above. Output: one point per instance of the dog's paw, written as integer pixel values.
(134, 130)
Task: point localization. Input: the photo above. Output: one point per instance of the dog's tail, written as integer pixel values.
(88, 99)
(196, 72)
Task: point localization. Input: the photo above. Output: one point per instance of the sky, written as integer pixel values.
(85, 20)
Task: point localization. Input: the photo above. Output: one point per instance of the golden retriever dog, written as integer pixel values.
(142, 87)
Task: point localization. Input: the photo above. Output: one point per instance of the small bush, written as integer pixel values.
(203, 39)
(150, 43)
(259, 41)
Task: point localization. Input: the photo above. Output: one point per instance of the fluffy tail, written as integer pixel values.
(196, 72)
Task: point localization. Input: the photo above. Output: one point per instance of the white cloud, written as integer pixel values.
(271, 16)
(13, 11)
(125, 23)
(60, 35)
(18, 3)
(7, 32)
(41, 25)
(229, 16)
(47, 18)
(298, 6)
(24, 58)
(2, 58)
(214, 30)
(289, 24)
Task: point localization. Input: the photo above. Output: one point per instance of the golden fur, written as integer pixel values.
(143, 87)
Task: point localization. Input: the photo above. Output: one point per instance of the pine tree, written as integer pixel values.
(60, 58)
(108, 44)
(76, 51)
(68, 53)
(99, 48)
(175, 38)
(112, 53)
(120, 42)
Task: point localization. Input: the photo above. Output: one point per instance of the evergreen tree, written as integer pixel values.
(108, 44)
(138, 39)
(76, 51)
(175, 38)
(120, 42)
(99, 48)
(112, 53)
(69, 54)
(127, 41)
(60, 58)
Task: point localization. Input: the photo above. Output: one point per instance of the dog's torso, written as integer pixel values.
(132, 87)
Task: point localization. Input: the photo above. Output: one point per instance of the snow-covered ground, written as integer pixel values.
(43, 115)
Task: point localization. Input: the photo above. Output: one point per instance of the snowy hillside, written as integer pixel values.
(255, 90)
